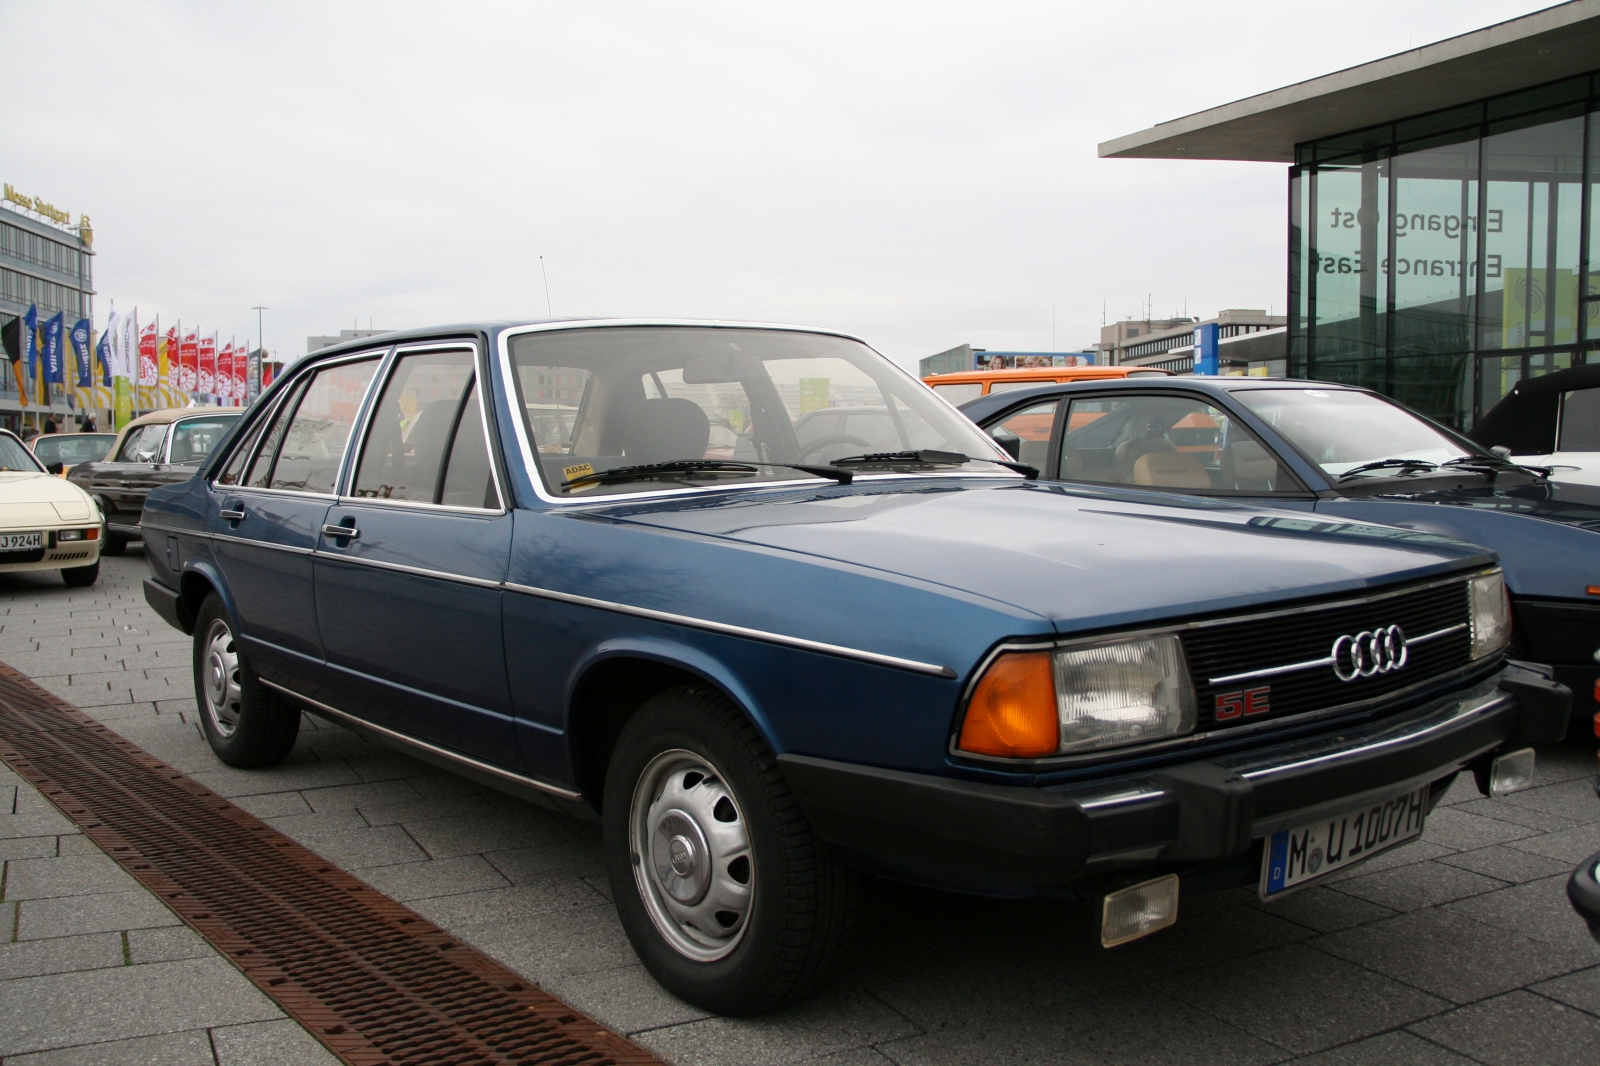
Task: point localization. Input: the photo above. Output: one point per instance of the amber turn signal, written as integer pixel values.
(1012, 712)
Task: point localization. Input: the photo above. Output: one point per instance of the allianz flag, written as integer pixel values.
(80, 352)
(102, 355)
(54, 364)
(31, 320)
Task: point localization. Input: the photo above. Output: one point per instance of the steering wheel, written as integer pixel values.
(807, 451)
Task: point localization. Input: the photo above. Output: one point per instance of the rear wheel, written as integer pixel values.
(80, 576)
(724, 891)
(246, 723)
(111, 543)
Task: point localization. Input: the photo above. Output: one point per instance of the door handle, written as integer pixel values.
(349, 532)
(232, 516)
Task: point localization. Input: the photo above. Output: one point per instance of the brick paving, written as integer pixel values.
(1457, 949)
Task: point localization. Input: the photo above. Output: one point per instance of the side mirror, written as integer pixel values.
(1012, 446)
(56, 468)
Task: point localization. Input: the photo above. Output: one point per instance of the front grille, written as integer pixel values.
(1304, 635)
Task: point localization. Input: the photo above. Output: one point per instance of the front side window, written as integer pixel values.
(1026, 433)
(142, 445)
(426, 441)
(193, 439)
(594, 400)
(1166, 442)
(313, 444)
(1341, 429)
(73, 448)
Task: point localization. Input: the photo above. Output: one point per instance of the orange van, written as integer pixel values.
(966, 385)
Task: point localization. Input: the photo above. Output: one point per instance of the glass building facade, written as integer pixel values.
(1442, 258)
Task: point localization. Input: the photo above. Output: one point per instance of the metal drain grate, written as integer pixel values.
(375, 982)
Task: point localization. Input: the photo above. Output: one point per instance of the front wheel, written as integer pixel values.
(246, 723)
(80, 576)
(111, 543)
(728, 898)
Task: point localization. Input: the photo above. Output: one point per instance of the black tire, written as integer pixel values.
(111, 543)
(247, 724)
(800, 900)
(81, 576)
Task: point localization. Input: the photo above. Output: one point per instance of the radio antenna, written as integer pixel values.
(549, 313)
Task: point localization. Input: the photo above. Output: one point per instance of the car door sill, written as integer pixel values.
(485, 773)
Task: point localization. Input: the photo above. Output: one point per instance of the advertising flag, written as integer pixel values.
(147, 361)
(125, 367)
(102, 355)
(31, 322)
(54, 356)
(80, 354)
(167, 366)
(207, 376)
(189, 357)
(15, 351)
(241, 375)
(225, 373)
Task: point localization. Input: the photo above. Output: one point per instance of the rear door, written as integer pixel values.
(122, 481)
(410, 562)
(269, 504)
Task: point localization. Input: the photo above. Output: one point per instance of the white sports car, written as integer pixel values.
(46, 523)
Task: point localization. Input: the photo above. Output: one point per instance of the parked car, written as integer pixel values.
(961, 386)
(60, 452)
(762, 677)
(45, 523)
(1552, 421)
(159, 448)
(1346, 454)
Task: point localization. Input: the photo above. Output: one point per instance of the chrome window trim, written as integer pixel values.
(536, 473)
(419, 571)
(307, 368)
(433, 749)
(837, 650)
(479, 512)
(230, 489)
(369, 407)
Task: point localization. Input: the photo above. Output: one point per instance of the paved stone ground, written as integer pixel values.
(1453, 950)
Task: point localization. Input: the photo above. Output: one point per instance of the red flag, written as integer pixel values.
(241, 374)
(207, 376)
(174, 359)
(147, 356)
(225, 373)
(189, 356)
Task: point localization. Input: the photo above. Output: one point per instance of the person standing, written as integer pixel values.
(50, 424)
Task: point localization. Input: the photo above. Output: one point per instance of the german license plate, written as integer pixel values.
(1294, 857)
(21, 542)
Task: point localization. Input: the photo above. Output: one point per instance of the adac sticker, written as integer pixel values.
(579, 470)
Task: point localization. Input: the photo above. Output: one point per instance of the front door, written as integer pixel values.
(410, 562)
(268, 506)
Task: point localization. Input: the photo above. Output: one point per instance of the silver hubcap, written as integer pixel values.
(691, 855)
(220, 676)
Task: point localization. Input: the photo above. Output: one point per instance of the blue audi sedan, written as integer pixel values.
(613, 567)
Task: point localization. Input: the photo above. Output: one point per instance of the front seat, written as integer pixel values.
(667, 428)
(1172, 470)
(1247, 465)
(1129, 452)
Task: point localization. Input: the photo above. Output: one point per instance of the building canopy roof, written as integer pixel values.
(1547, 45)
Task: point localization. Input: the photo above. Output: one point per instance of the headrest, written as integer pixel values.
(1171, 469)
(664, 429)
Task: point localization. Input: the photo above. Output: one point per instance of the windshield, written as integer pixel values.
(73, 448)
(1339, 429)
(14, 455)
(598, 399)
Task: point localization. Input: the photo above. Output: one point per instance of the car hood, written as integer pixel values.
(1567, 502)
(26, 496)
(1084, 558)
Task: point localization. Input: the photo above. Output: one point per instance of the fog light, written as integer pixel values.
(1511, 773)
(1131, 913)
(69, 534)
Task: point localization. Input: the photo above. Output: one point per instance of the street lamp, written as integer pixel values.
(261, 346)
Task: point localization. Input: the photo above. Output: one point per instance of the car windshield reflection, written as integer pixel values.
(1341, 429)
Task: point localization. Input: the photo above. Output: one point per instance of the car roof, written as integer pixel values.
(172, 414)
(985, 406)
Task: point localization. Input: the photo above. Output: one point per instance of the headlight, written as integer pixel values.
(1491, 614)
(1039, 703)
(69, 534)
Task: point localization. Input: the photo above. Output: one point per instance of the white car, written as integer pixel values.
(46, 523)
(1553, 421)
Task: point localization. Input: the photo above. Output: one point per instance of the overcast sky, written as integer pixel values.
(922, 174)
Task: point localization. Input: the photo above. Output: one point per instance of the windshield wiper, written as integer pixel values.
(1491, 464)
(679, 467)
(931, 457)
(1381, 464)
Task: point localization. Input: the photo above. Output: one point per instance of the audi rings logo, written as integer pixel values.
(1369, 653)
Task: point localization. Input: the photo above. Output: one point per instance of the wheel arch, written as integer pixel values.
(610, 685)
(198, 580)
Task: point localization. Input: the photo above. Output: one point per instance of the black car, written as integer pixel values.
(159, 448)
(1339, 452)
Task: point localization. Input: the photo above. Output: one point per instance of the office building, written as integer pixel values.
(47, 262)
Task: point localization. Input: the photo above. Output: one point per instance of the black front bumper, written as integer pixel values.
(970, 834)
(1565, 634)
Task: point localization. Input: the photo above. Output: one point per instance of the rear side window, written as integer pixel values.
(193, 439)
(1580, 421)
(261, 470)
(142, 445)
(313, 443)
(426, 442)
(1026, 433)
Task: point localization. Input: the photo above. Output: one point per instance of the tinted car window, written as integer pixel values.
(1580, 421)
(1167, 442)
(232, 473)
(468, 481)
(14, 456)
(142, 445)
(261, 470)
(412, 427)
(313, 445)
(74, 448)
(1026, 433)
(193, 439)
